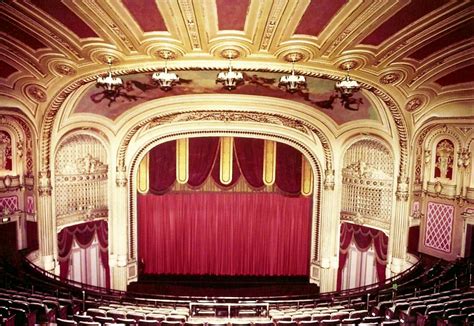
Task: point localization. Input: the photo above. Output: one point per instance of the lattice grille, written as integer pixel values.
(81, 176)
(10, 203)
(368, 180)
(439, 226)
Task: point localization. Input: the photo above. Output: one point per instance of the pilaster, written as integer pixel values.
(329, 236)
(45, 221)
(119, 235)
(399, 228)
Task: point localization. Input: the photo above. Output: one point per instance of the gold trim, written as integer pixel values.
(142, 178)
(226, 151)
(182, 160)
(269, 162)
(306, 178)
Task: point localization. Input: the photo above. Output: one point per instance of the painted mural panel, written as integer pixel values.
(139, 88)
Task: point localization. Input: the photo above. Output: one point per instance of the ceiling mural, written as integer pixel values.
(138, 88)
(418, 51)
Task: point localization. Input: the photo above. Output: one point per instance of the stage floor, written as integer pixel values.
(223, 286)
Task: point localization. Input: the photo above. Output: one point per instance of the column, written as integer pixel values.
(329, 236)
(119, 236)
(399, 228)
(46, 231)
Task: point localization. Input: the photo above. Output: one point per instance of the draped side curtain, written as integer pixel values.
(83, 234)
(224, 234)
(363, 237)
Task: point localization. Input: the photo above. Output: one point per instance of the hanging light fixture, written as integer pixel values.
(165, 79)
(293, 82)
(347, 86)
(230, 79)
(109, 83)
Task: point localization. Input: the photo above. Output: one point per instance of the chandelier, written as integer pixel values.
(109, 83)
(230, 79)
(347, 86)
(165, 79)
(293, 82)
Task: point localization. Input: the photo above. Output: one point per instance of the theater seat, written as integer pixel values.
(350, 322)
(146, 322)
(65, 322)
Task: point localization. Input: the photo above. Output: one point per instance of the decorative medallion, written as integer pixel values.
(294, 57)
(166, 54)
(414, 104)
(390, 78)
(230, 53)
(36, 93)
(348, 65)
(65, 69)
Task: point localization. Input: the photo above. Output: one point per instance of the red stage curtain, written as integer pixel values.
(288, 169)
(224, 234)
(249, 153)
(84, 235)
(363, 237)
(162, 166)
(202, 154)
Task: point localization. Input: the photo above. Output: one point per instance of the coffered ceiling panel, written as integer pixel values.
(408, 47)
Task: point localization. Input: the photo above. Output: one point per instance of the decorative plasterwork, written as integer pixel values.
(36, 93)
(414, 104)
(187, 9)
(64, 69)
(272, 23)
(57, 102)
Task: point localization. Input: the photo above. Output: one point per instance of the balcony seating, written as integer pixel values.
(156, 317)
(308, 323)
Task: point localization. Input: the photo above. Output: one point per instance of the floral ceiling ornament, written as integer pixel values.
(36, 93)
(390, 78)
(413, 104)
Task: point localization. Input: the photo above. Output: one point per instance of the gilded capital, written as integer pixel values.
(329, 180)
(44, 183)
(402, 189)
(121, 177)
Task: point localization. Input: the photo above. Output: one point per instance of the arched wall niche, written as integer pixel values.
(368, 172)
(80, 184)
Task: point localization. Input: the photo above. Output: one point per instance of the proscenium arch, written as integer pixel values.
(56, 103)
(153, 140)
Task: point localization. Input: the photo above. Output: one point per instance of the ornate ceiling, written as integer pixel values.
(419, 51)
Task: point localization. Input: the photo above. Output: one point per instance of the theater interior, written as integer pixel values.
(251, 162)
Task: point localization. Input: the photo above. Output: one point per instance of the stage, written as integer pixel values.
(223, 286)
